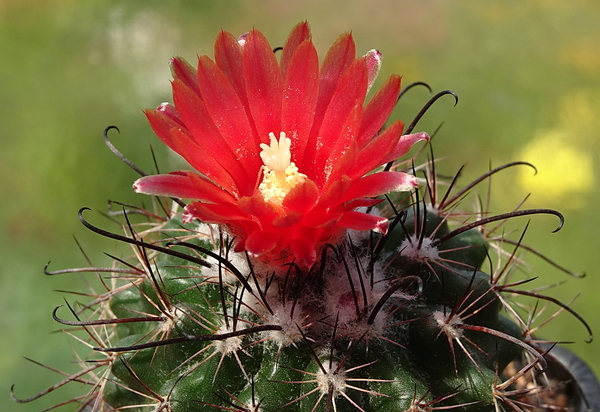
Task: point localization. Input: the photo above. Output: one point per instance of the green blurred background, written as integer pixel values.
(527, 73)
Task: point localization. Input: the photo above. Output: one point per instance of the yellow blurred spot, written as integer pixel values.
(565, 171)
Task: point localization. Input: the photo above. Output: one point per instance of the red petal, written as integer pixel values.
(264, 85)
(260, 242)
(240, 244)
(162, 125)
(375, 153)
(255, 205)
(339, 57)
(171, 112)
(299, 34)
(321, 219)
(348, 97)
(196, 156)
(300, 98)
(229, 58)
(373, 59)
(404, 144)
(347, 164)
(197, 120)
(304, 251)
(175, 185)
(181, 186)
(334, 192)
(185, 72)
(210, 192)
(224, 214)
(355, 204)
(378, 184)
(378, 109)
(289, 219)
(228, 114)
(172, 135)
(363, 221)
(302, 197)
(345, 141)
(178, 140)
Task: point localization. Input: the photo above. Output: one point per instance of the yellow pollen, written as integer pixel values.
(280, 173)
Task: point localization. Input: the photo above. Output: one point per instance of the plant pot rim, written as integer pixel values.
(581, 382)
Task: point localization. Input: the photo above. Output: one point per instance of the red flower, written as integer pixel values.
(282, 150)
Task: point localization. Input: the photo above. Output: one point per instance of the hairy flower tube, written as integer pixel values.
(283, 150)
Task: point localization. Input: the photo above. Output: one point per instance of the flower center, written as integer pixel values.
(280, 174)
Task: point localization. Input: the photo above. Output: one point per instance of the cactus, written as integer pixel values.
(294, 280)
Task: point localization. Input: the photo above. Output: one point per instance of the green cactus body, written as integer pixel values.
(336, 336)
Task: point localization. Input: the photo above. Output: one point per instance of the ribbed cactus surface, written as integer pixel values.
(376, 325)
(405, 321)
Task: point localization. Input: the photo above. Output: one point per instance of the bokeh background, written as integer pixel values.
(527, 74)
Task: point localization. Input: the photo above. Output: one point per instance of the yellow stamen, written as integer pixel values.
(280, 173)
